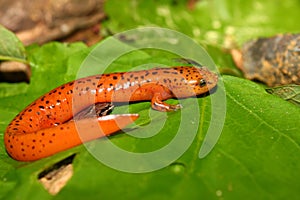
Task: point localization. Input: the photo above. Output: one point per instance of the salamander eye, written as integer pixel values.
(202, 82)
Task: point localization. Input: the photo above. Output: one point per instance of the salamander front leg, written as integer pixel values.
(158, 104)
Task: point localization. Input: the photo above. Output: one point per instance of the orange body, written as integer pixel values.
(46, 127)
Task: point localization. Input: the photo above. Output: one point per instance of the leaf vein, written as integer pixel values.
(263, 121)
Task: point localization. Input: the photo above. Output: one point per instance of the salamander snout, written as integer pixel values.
(203, 80)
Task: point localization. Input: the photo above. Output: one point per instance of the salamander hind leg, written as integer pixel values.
(158, 104)
(95, 110)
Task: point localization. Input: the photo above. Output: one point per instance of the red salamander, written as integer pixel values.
(45, 127)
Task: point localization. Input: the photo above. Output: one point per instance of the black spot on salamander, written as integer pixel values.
(202, 82)
(115, 77)
(62, 87)
(166, 72)
(147, 73)
(136, 78)
(58, 101)
(154, 73)
(47, 102)
(70, 84)
(111, 85)
(29, 110)
(87, 88)
(42, 107)
(88, 80)
(100, 84)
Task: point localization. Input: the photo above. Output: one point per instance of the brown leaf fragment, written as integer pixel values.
(12, 71)
(56, 177)
(289, 93)
(274, 61)
(40, 21)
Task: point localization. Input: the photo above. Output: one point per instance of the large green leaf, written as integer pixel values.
(248, 159)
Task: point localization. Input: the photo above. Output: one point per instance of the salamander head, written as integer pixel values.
(199, 79)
